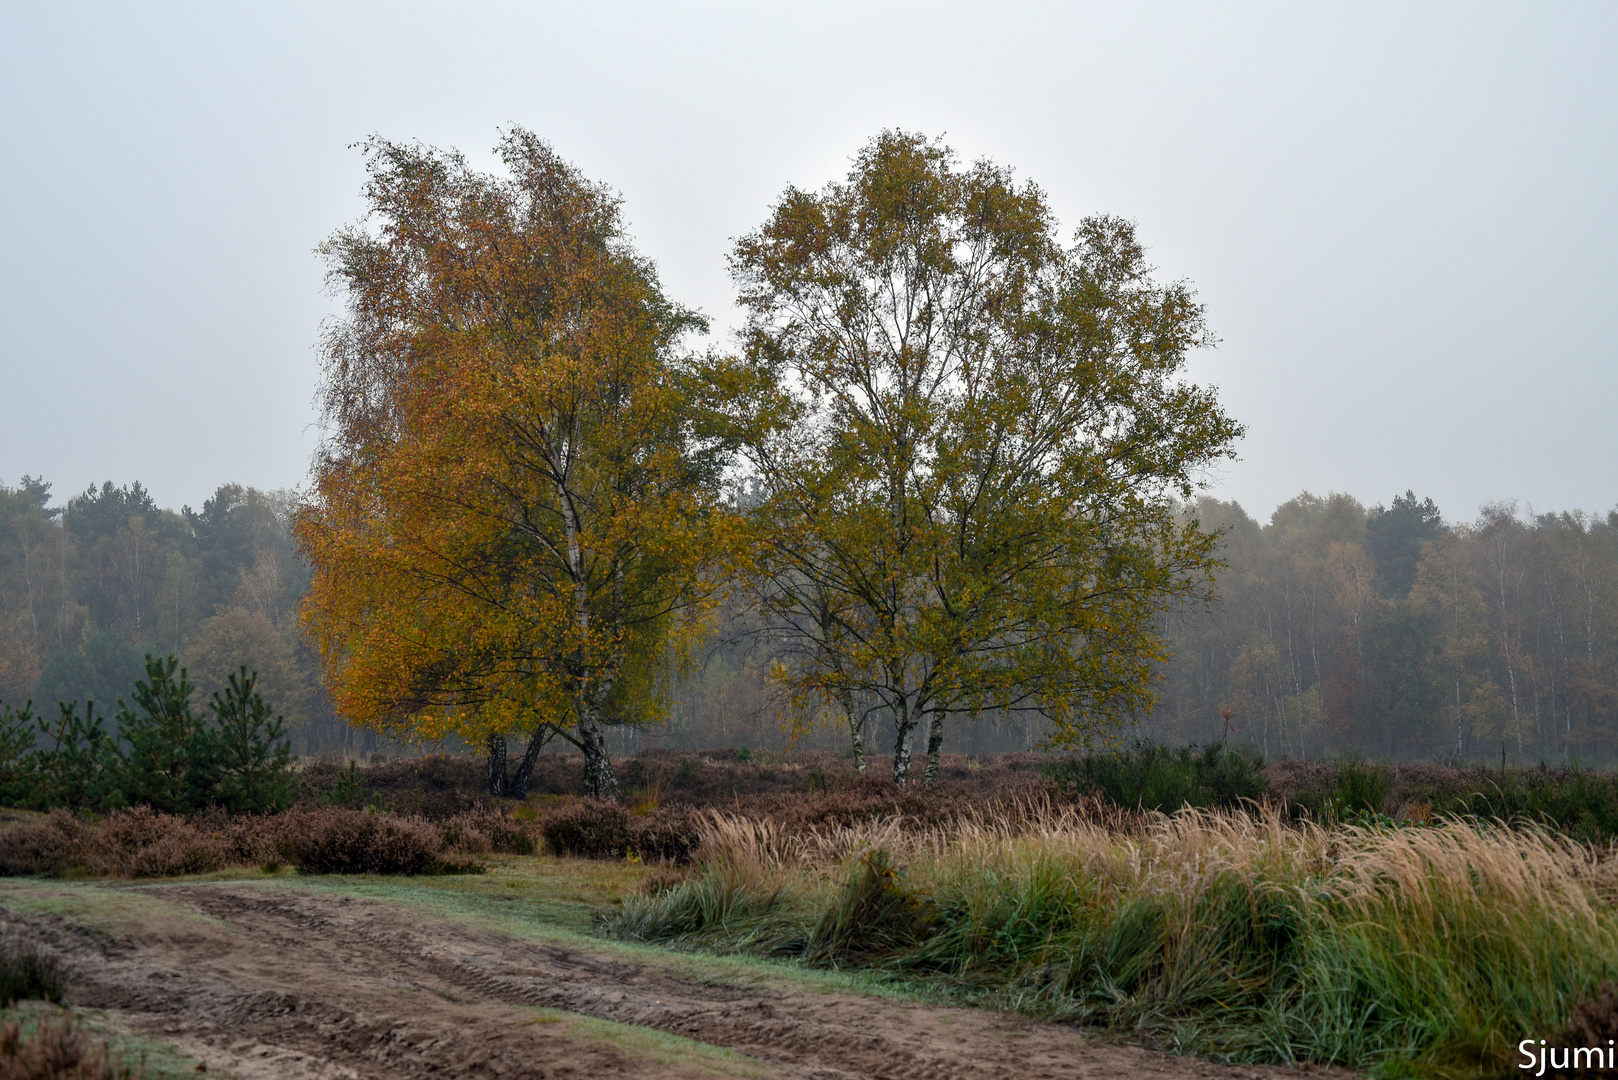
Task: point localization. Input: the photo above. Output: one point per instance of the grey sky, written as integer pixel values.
(1401, 216)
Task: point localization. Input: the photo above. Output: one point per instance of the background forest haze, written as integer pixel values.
(1387, 630)
(1393, 223)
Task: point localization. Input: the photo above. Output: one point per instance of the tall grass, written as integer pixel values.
(1232, 934)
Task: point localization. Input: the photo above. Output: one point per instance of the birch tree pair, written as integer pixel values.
(968, 439)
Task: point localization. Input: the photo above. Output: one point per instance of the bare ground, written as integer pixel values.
(275, 981)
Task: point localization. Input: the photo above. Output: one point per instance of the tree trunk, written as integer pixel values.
(901, 747)
(499, 779)
(600, 782)
(854, 724)
(517, 785)
(935, 743)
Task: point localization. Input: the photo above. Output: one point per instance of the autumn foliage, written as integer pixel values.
(509, 528)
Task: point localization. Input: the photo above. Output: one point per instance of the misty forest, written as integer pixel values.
(1388, 631)
(896, 643)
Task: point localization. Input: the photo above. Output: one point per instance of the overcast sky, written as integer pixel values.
(1401, 217)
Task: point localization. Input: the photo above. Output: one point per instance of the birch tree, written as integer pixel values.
(970, 439)
(509, 529)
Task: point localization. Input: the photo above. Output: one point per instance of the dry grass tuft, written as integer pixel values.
(1238, 934)
(56, 1050)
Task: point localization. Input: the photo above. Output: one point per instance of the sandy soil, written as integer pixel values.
(284, 982)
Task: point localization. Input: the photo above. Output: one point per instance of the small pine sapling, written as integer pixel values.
(16, 754)
(73, 771)
(168, 759)
(254, 759)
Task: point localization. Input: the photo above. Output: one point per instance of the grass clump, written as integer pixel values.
(1236, 935)
(57, 1050)
(26, 973)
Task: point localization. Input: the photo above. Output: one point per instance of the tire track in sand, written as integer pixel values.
(283, 982)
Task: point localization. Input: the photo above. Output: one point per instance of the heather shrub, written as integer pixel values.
(336, 841)
(480, 831)
(49, 845)
(588, 828)
(186, 850)
(144, 843)
(672, 835)
(1594, 1023)
(57, 1050)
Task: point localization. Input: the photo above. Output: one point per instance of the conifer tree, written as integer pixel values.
(168, 757)
(74, 772)
(252, 752)
(16, 746)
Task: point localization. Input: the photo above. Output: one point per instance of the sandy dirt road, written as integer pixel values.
(268, 981)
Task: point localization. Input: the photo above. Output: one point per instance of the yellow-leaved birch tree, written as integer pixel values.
(511, 528)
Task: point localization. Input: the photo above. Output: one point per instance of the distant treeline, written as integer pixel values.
(1387, 630)
(1394, 633)
(89, 587)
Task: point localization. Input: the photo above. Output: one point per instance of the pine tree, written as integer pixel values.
(168, 760)
(16, 750)
(252, 752)
(74, 771)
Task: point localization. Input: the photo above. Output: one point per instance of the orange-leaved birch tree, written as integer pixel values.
(511, 526)
(970, 441)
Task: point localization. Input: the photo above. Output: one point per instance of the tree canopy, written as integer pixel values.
(970, 441)
(510, 529)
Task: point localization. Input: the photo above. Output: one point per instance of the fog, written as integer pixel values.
(1399, 216)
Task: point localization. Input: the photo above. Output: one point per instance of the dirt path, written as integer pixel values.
(284, 982)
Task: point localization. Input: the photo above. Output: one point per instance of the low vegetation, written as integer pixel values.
(1406, 919)
(1241, 936)
(58, 1049)
(162, 753)
(26, 973)
(142, 843)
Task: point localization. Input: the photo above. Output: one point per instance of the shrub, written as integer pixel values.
(1594, 1023)
(333, 841)
(49, 845)
(593, 829)
(26, 972)
(1151, 777)
(144, 843)
(56, 1050)
(589, 828)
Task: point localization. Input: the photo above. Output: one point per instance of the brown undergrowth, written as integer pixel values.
(57, 1050)
(140, 843)
(667, 806)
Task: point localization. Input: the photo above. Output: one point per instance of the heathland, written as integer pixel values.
(1390, 919)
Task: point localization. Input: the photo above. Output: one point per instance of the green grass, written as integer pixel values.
(1238, 937)
(648, 1045)
(101, 907)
